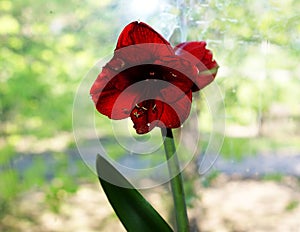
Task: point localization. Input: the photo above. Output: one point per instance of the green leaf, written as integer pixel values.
(133, 210)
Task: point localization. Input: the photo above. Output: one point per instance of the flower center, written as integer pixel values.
(142, 108)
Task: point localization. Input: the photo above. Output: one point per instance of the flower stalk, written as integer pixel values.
(176, 182)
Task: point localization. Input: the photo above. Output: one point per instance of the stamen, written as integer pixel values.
(136, 114)
(154, 107)
(174, 75)
(152, 73)
(144, 108)
(137, 106)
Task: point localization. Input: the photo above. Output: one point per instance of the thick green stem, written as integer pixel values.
(176, 182)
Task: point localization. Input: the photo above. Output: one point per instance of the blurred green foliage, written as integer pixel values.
(46, 50)
(292, 205)
(208, 180)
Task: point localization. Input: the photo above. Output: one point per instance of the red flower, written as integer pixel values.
(150, 81)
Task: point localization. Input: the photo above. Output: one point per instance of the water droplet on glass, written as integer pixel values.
(126, 111)
(119, 63)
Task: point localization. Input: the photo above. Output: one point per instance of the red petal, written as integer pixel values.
(109, 97)
(116, 104)
(178, 72)
(101, 82)
(206, 65)
(175, 114)
(138, 43)
(195, 48)
(138, 33)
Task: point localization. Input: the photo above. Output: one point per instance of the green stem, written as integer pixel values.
(176, 182)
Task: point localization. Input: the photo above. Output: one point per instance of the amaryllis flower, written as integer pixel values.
(151, 82)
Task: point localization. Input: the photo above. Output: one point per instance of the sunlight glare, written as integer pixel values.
(143, 9)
